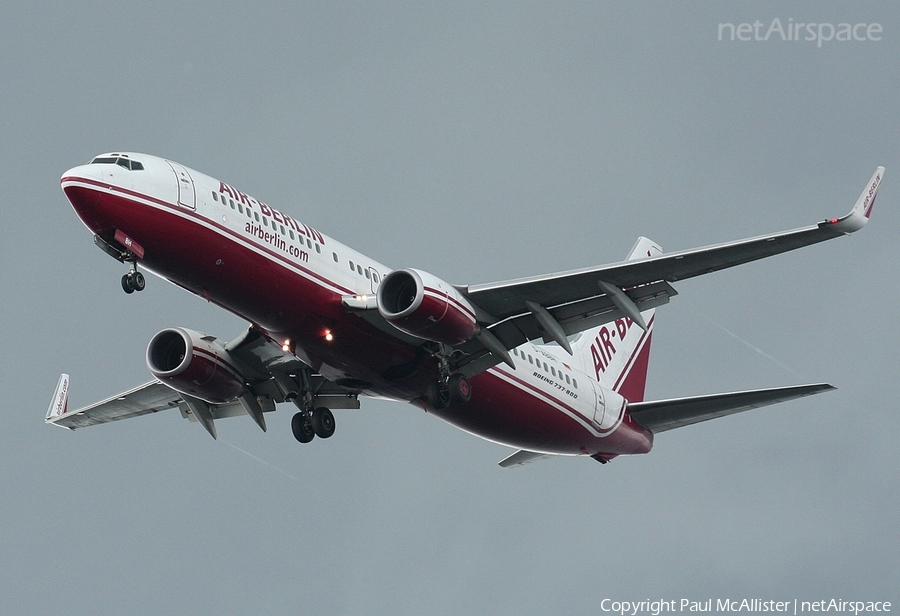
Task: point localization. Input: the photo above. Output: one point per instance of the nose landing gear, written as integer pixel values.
(133, 280)
(125, 250)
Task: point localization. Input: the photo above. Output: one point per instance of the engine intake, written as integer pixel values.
(424, 306)
(194, 364)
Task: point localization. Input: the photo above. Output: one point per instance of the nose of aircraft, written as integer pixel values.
(87, 172)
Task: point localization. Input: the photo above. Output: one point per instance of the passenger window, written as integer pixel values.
(352, 267)
(232, 206)
(574, 383)
(368, 275)
(552, 370)
(359, 269)
(318, 248)
(309, 242)
(546, 369)
(530, 360)
(215, 197)
(240, 208)
(282, 230)
(567, 379)
(291, 231)
(334, 256)
(256, 216)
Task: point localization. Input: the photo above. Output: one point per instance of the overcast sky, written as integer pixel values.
(479, 142)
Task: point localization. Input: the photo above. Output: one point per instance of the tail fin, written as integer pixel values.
(618, 353)
(60, 403)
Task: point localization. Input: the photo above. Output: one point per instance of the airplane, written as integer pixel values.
(550, 365)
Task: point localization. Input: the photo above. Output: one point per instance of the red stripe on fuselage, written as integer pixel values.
(640, 357)
(515, 413)
(192, 215)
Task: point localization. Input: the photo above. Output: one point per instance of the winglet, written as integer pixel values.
(59, 406)
(859, 215)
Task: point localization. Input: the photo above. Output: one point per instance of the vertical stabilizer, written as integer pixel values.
(617, 353)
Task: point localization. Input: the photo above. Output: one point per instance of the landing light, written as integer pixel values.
(286, 346)
(328, 335)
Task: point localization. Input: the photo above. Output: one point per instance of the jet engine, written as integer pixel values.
(194, 364)
(424, 306)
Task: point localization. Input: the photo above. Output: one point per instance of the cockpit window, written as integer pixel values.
(127, 163)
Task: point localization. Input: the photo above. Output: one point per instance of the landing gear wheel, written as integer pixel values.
(460, 389)
(128, 283)
(137, 281)
(302, 428)
(438, 396)
(323, 422)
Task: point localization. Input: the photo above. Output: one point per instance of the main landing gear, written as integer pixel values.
(309, 423)
(306, 425)
(450, 388)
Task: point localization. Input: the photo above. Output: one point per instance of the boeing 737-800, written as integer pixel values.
(549, 365)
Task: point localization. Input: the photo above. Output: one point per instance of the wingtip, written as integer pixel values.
(59, 405)
(862, 210)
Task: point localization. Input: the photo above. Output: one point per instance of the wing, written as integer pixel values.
(150, 397)
(662, 415)
(555, 306)
(271, 375)
(507, 299)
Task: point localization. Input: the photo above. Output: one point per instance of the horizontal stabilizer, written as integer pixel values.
(662, 415)
(522, 457)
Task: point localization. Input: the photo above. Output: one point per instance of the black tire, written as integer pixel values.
(323, 422)
(127, 283)
(302, 428)
(460, 389)
(138, 281)
(438, 397)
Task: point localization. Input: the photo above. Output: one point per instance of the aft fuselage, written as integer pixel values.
(290, 281)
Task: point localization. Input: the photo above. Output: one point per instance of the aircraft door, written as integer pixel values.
(599, 404)
(609, 408)
(374, 279)
(187, 196)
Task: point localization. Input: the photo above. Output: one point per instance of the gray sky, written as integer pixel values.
(479, 142)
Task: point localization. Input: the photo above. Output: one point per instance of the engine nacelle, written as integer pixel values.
(424, 306)
(194, 364)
